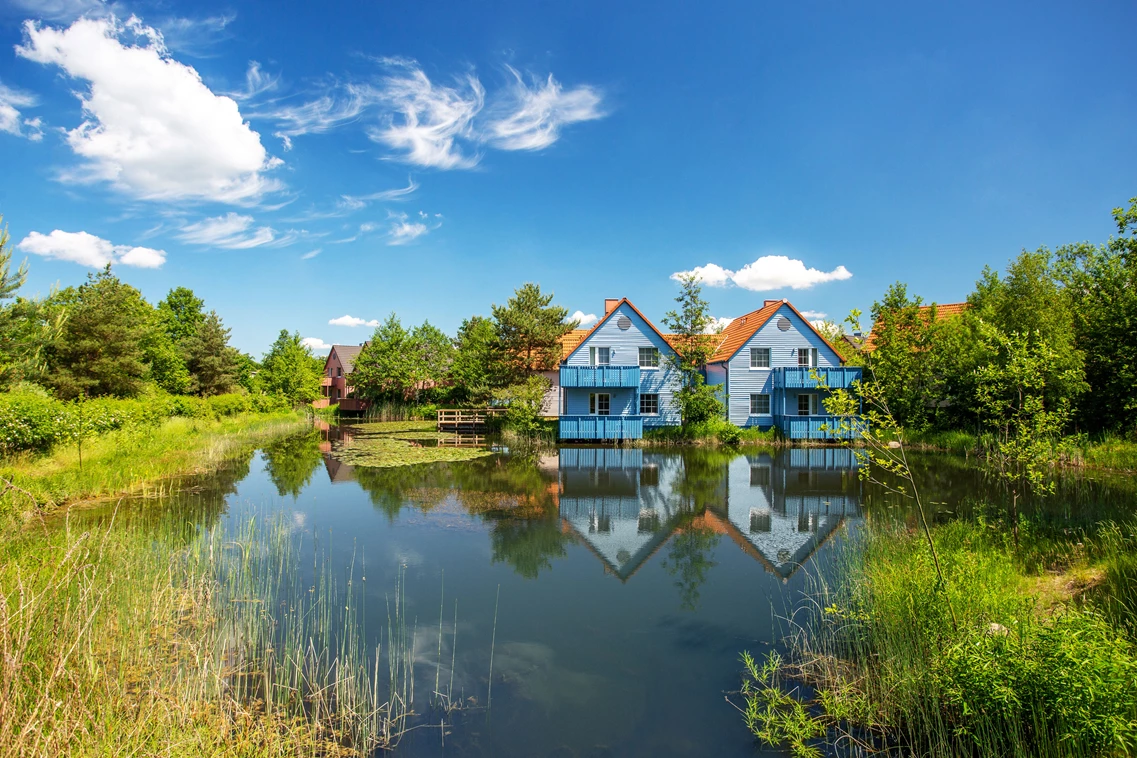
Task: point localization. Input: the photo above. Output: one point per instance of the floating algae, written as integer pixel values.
(401, 443)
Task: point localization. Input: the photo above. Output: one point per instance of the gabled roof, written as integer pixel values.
(347, 355)
(738, 332)
(571, 341)
(943, 313)
(667, 338)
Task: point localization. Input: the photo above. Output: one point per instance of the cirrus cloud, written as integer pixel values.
(89, 250)
(151, 127)
(770, 272)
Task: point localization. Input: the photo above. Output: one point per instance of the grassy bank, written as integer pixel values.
(133, 459)
(1023, 652)
(153, 637)
(1111, 453)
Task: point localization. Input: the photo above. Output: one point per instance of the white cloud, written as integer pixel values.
(770, 272)
(35, 127)
(432, 118)
(815, 315)
(584, 319)
(356, 202)
(63, 10)
(152, 128)
(352, 321)
(257, 82)
(315, 344)
(236, 232)
(194, 36)
(313, 117)
(89, 250)
(531, 117)
(718, 324)
(403, 230)
(311, 254)
(11, 101)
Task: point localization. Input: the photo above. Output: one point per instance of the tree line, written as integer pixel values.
(1045, 349)
(103, 339)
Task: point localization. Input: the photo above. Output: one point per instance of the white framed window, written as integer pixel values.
(807, 357)
(599, 403)
(599, 356)
(807, 405)
(759, 357)
(760, 405)
(649, 357)
(649, 404)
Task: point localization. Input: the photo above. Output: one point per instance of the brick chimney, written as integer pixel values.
(610, 304)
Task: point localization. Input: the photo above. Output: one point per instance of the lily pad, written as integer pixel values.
(401, 443)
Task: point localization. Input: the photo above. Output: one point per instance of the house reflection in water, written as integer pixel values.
(625, 504)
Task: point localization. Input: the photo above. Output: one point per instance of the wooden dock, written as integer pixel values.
(466, 420)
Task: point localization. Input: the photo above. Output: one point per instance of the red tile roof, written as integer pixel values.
(738, 332)
(943, 313)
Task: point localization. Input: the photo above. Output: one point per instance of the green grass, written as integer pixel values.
(135, 459)
(1111, 453)
(150, 637)
(390, 444)
(949, 441)
(1038, 663)
(714, 432)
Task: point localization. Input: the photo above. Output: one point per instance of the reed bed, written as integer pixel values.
(167, 639)
(1038, 664)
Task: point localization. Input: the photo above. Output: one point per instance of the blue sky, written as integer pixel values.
(295, 164)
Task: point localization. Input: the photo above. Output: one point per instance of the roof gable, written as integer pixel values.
(623, 301)
(742, 329)
(346, 355)
(943, 313)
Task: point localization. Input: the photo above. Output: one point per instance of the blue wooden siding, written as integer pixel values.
(742, 381)
(601, 427)
(600, 376)
(624, 348)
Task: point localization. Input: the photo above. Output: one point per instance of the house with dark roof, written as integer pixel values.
(616, 380)
(335, 386)
(775, 369)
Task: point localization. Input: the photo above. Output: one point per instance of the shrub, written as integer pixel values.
(30, 421)
(230, 404)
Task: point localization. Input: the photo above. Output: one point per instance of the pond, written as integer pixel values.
(609, 590)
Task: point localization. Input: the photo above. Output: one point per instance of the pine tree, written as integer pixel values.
(211, 363)
(528, 330)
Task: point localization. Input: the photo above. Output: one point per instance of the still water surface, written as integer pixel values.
(625, 583)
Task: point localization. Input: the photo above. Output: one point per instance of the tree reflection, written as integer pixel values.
(528, 544)
(689, 559)
(290, 462)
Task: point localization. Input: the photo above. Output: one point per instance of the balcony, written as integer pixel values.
(798, 377)
(600, 376)
(819, 427)
(601, 427)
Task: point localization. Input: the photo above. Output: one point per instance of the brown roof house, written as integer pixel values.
(335, 387)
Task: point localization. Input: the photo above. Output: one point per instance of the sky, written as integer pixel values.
(317, 166)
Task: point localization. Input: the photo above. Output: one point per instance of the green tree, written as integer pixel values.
(528, 330)
(523, 402)
(1012, 394)
(290, 370)
(100, 350)
(27, 326)
(386, 367)
(471, 371)
(433, 353)
(166, 361)
(181, 314)
(1101, 283)
(247, 368)
(694, 345)
(212, 363)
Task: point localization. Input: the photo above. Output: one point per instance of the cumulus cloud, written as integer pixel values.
(232, 231)
(152, 128)
(11, 101)
(530, 117)
(315, 344)
(89, 250)
(352, 321)
(430, 118)
(770, 272)
(584, 319)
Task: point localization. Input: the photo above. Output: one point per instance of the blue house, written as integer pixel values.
(617, 381)
(765, 364)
